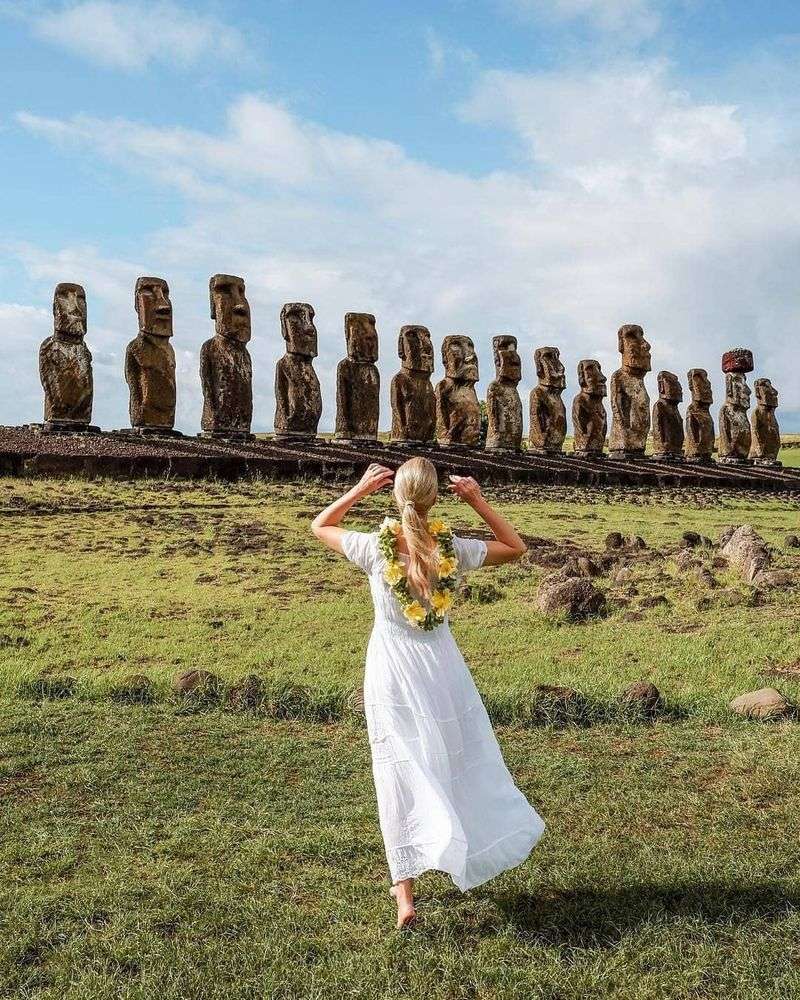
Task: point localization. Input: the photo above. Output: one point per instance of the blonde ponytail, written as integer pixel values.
(415, 489)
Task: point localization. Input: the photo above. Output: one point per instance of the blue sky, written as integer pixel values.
(550, 168)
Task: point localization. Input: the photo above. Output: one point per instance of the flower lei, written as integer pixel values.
(395, 575)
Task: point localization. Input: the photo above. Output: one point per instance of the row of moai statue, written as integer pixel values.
(447, 416)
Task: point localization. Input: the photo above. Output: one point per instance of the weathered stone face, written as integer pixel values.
(153, 307)
(700, 439)
(230, 309)
(630, 402)
(667, 424)
(459, 358)
(298, 398)
(415, 349)
(65, 363)
(548, 415)
(735, 436)
(766, 434)
(589, 418)
(412, 397)
(358, 381)
(503, 403)
(226, 369)
(361, 337)
(458, 415)
(150, 359)
(298, 330)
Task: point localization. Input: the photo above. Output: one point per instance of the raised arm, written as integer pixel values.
(508, 545)
(326, 524)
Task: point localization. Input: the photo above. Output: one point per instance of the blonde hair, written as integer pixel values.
(416, 487)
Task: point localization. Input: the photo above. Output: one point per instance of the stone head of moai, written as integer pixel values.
(669, 388)
(298, 330)
(361, 337)
(153, 307)
(507, 362)
(700, 387)
(459, 358)
(549, 369)
(635, 350)
(591, 378)
(737, 391)
(230, 309)
(69, 311)
(739, 360)
(766, 393)
(415, 349)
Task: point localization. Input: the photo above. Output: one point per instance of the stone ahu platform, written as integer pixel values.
(24, 452)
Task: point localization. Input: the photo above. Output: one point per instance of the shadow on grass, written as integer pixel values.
(598, 918)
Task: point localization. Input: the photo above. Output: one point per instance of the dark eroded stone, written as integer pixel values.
(226, 370)
(458, 413)
(65, 363)
(298, 398)
(503, 403)
(700, 440)
(575, 597)
(735, 436)
(737, 360)
(150, 359)
(630, 403)
(589, 418)
(765, 433)
(358, 381)
(667, 423)
(548, 415)
(412, 396)
(642, 696)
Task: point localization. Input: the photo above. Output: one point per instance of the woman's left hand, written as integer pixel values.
(375, 478)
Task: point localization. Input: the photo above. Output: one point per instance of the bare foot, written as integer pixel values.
(404, 897)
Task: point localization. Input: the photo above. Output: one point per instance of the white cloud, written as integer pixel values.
(634, 203)
(129, 35)
(442, 53)
(631, 19)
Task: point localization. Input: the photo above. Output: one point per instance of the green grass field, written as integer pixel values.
(182, 850)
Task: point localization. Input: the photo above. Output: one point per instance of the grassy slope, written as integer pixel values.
(148, 853)
(101, 580)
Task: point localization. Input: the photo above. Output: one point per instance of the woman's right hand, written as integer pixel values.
(466, 489)
(375, 478)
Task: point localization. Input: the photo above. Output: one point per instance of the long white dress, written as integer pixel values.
(446, 799)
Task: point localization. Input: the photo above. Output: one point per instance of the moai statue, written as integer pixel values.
(630, 403)
(667, 423)
(548, 415)
(298, 400)
(458, 413)
(503, 405)
(589, 418)
(735, 436)
(150, 360)
(412, 396)
(65, 364)
(358, 382)
(700, 437)
(226, 370)
(766, 434)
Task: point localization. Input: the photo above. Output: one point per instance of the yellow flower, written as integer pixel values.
(391, 522)
(393, 573)
(415, 612)
(435, 527)
(441, 601)
(447, 565)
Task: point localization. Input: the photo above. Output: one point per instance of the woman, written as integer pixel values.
(446, 800)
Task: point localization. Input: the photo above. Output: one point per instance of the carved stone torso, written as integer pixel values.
(226, 373)
(700, 437)
(630, 413)
(150, 374)
(667, 429)
(65, 370)
(548, 420)
(504, 411)
(458, 413)
(766, 436)
(590, 424)
(298, 398)
(413, 407)
(358, 386)
(734, 434)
